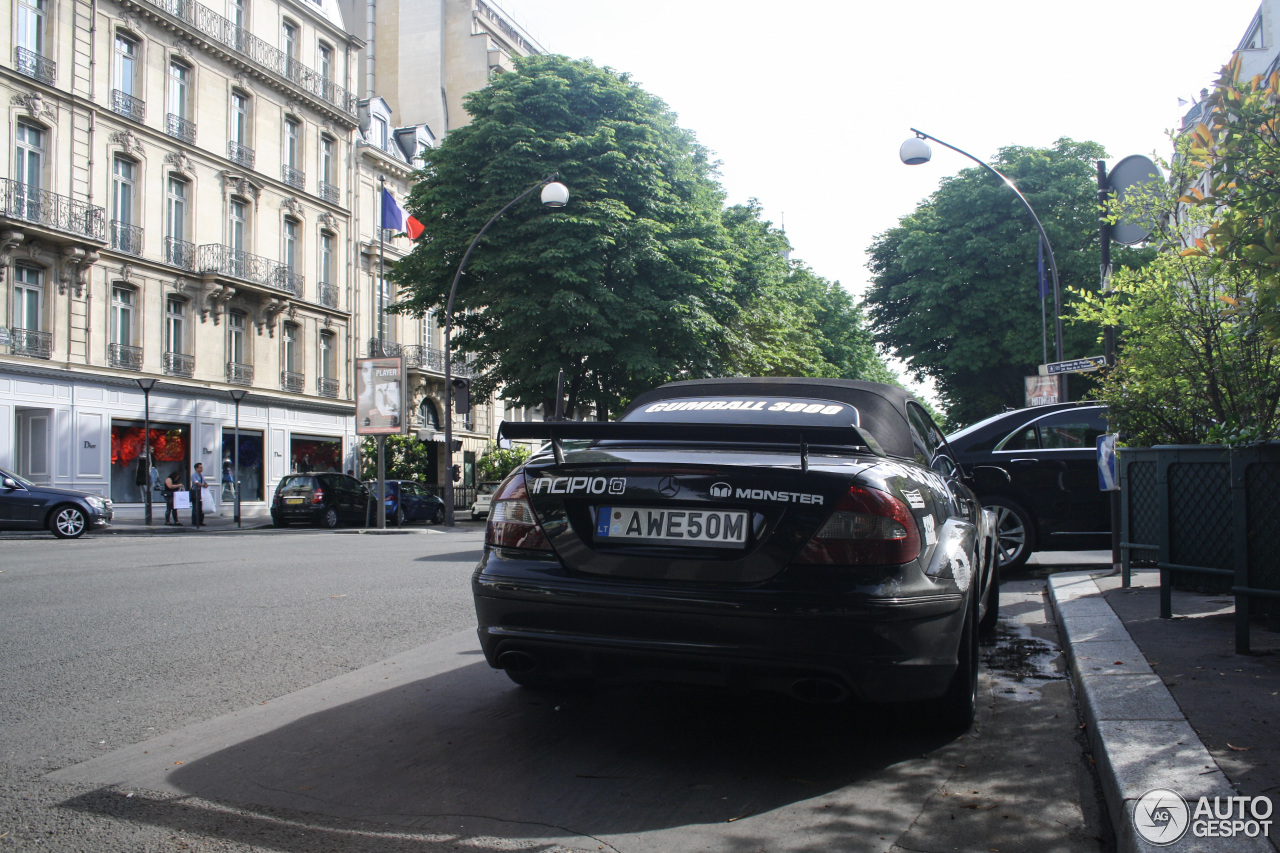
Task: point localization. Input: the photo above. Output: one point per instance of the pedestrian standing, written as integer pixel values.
(172, 483)
(198, 484)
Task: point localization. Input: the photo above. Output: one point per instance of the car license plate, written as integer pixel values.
(714, 528)
(294, 500)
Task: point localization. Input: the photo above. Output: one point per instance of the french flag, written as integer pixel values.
(397, 218)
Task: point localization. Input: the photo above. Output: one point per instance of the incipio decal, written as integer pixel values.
(579, 485)
(915, 499)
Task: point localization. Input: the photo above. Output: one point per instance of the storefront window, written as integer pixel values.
(251, 462)
(315, 453)
(170, 452)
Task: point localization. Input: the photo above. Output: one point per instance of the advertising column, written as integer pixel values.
(380, 405)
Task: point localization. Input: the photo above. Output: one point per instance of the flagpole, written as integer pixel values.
(1044, 323)
(377, 320)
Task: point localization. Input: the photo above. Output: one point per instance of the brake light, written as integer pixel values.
(512, 523)
(868, 527)
(318, 497)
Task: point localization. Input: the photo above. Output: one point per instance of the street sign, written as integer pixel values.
(1107, 480)
(1075, 365)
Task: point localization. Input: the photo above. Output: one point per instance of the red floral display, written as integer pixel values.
(128, 443)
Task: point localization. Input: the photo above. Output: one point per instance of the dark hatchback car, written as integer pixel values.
(803, 536)
(409, 500)
(67, 514)
(327, 499)
(1052, 500)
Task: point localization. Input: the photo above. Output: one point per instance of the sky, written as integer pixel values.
(806, 103)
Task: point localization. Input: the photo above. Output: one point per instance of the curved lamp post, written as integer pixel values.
(554, 194)
(916, 151)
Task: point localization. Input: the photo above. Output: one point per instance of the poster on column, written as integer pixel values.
(380, 389)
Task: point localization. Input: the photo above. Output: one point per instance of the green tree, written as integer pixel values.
(622, 288)
(954, 290)
(406, 458)
(498, 462)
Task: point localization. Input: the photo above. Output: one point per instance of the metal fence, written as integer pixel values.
(1205, 517)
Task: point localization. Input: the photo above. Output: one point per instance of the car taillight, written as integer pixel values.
(318, 497)
(512, 523)
(868, 527)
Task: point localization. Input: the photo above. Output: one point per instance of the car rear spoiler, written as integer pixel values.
(558, 431)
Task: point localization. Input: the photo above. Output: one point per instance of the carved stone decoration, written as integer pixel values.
(36, 252)
(180, 285)
(328, 322)
(329, 221)
(181, 48)
(327, 127)
(293, 206)
(131, 21)
(242, 80)
(293, 105)
(181, 163)
(9, 241)
(215, 302)
(71, 256)
(127, 141)
(235, 183)
(270, 309)
(82, 272)
(126, 273)
(36, 106)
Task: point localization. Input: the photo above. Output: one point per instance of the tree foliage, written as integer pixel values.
(644, 277)
(1237, 146)
(498, 462)
(954, 290)
(406, 458)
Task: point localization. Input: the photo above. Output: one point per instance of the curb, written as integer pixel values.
(1140, 738)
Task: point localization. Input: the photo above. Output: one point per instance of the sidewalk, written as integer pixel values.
(1167, 704)
(134, 525)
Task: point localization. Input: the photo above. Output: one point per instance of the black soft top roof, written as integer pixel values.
(882, 408)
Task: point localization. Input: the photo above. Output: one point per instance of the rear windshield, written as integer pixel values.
(788, 411)
(297, 483)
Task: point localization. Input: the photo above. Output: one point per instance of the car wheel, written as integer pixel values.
(330, 518)
(278, 521)
(987, 625)
(68, 522)
(438, 518)
(955, 710)
(1015, 533)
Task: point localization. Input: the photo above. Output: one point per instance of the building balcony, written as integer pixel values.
(291, 73)
(327, 387)
(328, 294)
(128, 106)
(292, 381)
(286, 279)
(239, 374)
(180, 128)
(235, 263)
(34, 65)
(293, 177)
(32, 343)
(241, 154)
(124, 356)
(382, 348)
(126, 238)
(51, 210)
(328, 192)
(179, 364)
(429, 358)
(180, 253)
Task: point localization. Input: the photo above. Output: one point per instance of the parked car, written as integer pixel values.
(1051, 500)
(409, 500)
(805, 536)
(484, 496)
(327, 499)
(66, 513)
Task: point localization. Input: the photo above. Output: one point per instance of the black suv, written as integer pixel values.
(327, 499)
(25, 505)
(1052, 500)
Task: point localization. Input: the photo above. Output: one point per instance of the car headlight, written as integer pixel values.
(97, 503)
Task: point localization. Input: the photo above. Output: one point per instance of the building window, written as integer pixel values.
(237, 322)
(125, 235)
(326, 257)
(122, 299)
(386, 326)
(125, 98)
(380, 132)
(28, 297)
(294, 174)
(179, 90)
(328, 355)
(289, 348)
(178, 249)
(237, 222)
(240, 146)
(175, 325)
(291, 244)
(290, 39)
(236, 13)
(326, 160)
(29, 170)
(326, 65)
(31, 25)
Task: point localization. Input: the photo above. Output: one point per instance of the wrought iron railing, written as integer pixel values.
(286, 279)
(380, 348)
(179, 364)
(241, 154)
(236, 263)
(126, 237)
(180, 128)
(328, 294)
(32, 343)
(293, 177)
(292, 381)
(429, 358)
(128, 106)
(328, 192)
(54, 211)
(327, 387)
(211, 24)
(179, 253)
(34, 65)
(239, 374)
(123, 355)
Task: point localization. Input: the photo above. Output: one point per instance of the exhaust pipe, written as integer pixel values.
(517, 661)
(819, 691)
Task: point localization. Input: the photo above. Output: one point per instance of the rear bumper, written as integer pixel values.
(879, 649)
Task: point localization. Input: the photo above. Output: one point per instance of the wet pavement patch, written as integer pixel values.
(1019, 661)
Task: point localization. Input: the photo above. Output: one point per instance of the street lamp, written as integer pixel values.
(554, 194)
(237, 394)
(916, 151)
(146, 385)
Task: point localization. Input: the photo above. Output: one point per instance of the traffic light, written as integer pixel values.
(457, 473)
(461, 395)
(457, 445)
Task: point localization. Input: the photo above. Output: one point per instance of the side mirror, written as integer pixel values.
(10, 483)
(988, 478)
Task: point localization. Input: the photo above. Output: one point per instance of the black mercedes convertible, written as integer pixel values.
(807, 536)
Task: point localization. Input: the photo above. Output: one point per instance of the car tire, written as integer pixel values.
(330, 518)
(955, 710)
(277, 521)
(1015, 533)
(987, 625)
(438, 518)
(68, 522)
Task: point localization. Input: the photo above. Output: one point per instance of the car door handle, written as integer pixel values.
(1023, 461)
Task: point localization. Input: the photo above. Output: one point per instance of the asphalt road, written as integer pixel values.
(314, 691)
